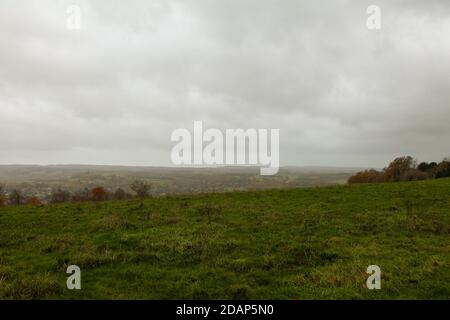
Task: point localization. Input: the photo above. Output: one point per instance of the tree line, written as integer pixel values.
(16, 197)
(404, 169)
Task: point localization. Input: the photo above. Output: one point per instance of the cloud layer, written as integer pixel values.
(112, 92)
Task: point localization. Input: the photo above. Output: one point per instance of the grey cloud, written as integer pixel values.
(341, 94)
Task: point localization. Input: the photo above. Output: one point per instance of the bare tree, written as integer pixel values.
(33, 201)
(2, 197)
(82, 195)
(121, 194)
(16, 198)
(141, 188)
(60, 196)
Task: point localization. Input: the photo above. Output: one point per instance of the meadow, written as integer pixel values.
(305, 243)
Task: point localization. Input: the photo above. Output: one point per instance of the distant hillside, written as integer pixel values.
(308, 243)
(41, 180)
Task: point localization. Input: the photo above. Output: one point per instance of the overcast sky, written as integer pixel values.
(113, 91)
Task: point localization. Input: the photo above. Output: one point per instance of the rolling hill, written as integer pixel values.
(307, 243)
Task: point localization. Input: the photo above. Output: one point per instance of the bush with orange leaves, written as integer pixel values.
(367, 176)
(99, 194)
(400, 169)
(33, 201)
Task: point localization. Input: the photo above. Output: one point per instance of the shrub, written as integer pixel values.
(413, 175)
(209, 211)
(121, 194)
(429, 168)
(99, 194)
(60, 196)
(82, 195)
(402, 169)
(16, 198)
(367, 176)
(443, 169)
(141, 189)
(423, 166)
(2, 197)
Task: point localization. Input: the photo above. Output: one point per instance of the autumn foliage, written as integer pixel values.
(33, 201)
(99, 194)
(403, 169)
(367, 176)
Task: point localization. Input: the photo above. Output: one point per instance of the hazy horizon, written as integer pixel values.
(172, 166)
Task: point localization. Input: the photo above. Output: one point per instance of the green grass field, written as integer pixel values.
(313, 243)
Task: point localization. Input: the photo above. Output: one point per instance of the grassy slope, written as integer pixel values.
(291, 244)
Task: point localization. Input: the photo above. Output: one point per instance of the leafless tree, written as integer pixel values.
(2, 197)
(121, 194)
(60, 196)
(141, 188)
(16, 198)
